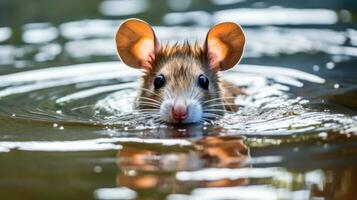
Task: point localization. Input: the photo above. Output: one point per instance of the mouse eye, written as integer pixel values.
(159, 81)
(203, 81)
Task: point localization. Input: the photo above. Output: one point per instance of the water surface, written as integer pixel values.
(68, 129)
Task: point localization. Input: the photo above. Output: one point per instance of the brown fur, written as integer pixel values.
(181, 65)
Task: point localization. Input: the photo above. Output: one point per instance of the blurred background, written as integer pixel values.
(37, 33)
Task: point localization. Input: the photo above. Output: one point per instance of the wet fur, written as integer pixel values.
(181, 64)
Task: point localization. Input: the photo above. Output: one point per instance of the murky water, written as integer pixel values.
(68, 129)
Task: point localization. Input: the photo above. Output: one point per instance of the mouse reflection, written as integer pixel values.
(145, 166)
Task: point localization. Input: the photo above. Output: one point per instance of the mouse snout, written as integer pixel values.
(179, 110)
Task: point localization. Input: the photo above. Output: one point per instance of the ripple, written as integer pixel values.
(115, 193)
(104, 93)
(99, 144)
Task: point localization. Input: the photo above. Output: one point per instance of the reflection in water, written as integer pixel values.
(216, 167)
(142, 168)
(337, 184)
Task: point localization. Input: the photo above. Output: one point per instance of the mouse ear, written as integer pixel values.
(136, 43)
(224, 45)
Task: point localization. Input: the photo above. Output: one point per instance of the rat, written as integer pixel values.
(181, 83)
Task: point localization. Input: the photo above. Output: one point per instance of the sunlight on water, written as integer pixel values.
(5, 33)
(277, 16)
(39, 33)
(115, 193)
(252, 16)
(123, 7)
(84, 145)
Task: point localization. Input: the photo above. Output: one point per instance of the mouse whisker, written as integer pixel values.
(157, 121)
(207, 119)
(151, 102)
(212, 114)
(212, 109)
(148, 108)
(218, 99)
(151, 92)
(149, 105)
(168, 94)
(149, 99)
(219, 111)
(145, 104)
(154, 110)
(221, 104)
(195, 95)
(148, 114)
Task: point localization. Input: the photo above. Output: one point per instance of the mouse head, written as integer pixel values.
(180, 82)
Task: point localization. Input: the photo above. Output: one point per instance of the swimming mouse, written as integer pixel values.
(180, 83)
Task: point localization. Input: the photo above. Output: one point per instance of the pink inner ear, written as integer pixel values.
(213, 60)
(144, 50)
(217, 51)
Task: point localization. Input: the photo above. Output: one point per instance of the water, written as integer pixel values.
(63, 95)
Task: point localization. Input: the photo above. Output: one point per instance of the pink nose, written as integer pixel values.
(179, 111)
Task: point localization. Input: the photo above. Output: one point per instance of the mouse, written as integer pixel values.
(181, 82)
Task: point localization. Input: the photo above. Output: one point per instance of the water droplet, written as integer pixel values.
(126, 128)
(315, 68)
(336, 86)
(330, 65)
(59, 111)
(55, 125)
(13, 115)
(98, 169)
(61, 128)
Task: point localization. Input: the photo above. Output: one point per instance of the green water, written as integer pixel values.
(68, 130)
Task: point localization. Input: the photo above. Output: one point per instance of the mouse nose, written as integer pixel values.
(179, 111)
